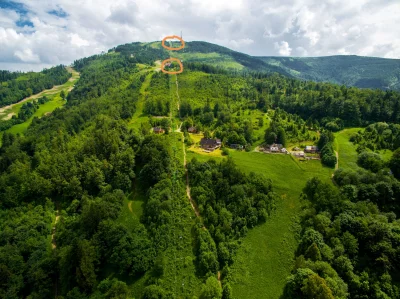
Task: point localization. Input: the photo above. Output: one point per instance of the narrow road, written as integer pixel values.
(192, 203)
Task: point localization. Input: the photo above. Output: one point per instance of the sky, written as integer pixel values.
(35, 34)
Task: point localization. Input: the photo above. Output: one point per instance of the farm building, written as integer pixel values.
(275, 148)
(158, 130)
(311, 149)
(299, 154)
(210, 144)
(284, 150)
(192, 130)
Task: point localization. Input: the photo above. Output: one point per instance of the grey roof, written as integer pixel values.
(208, 141)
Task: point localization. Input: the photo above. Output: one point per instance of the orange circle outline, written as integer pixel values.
(171, 48)
(171, 59)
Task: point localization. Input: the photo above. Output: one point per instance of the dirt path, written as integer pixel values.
(130, 206)
(337, 160)
(9, 116)
(48, 91)
(219, 278)
(177, 92)
(336, 167)
(192, 203)
(53, 232)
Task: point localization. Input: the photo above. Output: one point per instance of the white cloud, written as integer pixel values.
(256, 27)
(283, 48)
(27, 56)
(76, 40)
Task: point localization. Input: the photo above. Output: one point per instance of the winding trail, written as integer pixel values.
(53, 90)
(336, 166)
(192, 203)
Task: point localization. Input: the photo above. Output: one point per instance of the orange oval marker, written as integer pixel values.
(171, 48)
(171, 59)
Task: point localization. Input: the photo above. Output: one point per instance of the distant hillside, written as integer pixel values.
(363, 72)
(199, 52)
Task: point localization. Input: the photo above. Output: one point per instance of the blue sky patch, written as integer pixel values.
(58, 12)
(22, 23)
(16, 6)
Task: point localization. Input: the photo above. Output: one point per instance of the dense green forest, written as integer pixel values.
(66, 183)
(378, 136)
(349, 242)
(17, 86)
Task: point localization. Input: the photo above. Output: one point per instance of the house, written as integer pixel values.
(236, 146)
(275, 148)
(192, 130)
(210, 144)
(284, 150)
(299, 154)
(311, 149)
(158, 130)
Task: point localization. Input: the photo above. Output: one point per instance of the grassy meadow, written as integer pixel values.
(265, 258)
(139, 117)
(347, 150)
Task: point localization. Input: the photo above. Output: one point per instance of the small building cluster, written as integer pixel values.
(312, 149)
(274, 148)
(209, 144)
(297, 152)
(158, 130)
(309, 149)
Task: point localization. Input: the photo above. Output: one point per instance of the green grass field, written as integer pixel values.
(55, 102)
(265, 258)
(347, 150)
(213, 58)
(139, 117)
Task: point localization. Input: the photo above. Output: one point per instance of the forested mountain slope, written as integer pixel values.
(350, 70)
(363, 72)
(16, 86)
(86, 161)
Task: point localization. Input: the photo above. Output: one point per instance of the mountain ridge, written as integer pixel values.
(349, 70)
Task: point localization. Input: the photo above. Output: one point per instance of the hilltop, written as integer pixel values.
(349, 70)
